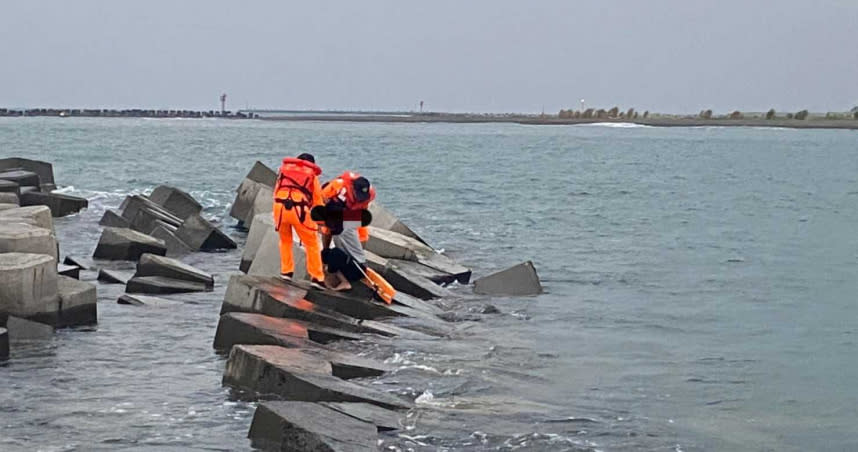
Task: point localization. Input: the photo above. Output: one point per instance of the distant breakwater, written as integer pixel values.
(130, 113)
(554, 120)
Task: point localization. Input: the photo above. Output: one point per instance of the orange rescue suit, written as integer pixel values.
(341, 189)
(296, 192)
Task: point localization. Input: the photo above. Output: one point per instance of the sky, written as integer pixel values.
(674, 56)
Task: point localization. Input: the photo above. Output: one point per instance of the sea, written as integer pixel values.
(701, 286)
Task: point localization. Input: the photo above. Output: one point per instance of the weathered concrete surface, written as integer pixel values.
(202, 235)
(78, 302)
(272, 297)
(175, 246)
(176, 201)
(262, 174)
(84, 263)
(22, 329)
(256, 329)
(5, 206)
(392, 245)
(72, 271)
(9, 198)
(44, 170)
(293, 374)
(143, 300)
(309, 427)
(153, 265)
(113, 220)
(382, 418)
(7, 186)
(412, 284)
(385, 219)
(266, 262)
(24, 238)
(244, 197)
(161, 285)
(517, 280)
(263, 202)
(60, 204)
(416, 268)
(4, 344)
(145, 215)
(108, 276)
(21, 177)
(261, 224)
(127, 244)
(28, 286)
(359, 308)
(39, 216)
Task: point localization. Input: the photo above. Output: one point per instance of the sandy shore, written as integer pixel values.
(536, 120)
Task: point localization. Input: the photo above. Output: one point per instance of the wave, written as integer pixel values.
(617, 125)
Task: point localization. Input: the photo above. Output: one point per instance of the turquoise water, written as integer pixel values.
(701, 286)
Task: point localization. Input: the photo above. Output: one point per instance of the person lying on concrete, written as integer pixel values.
(296, 192)
(347, 197)
(341, 269)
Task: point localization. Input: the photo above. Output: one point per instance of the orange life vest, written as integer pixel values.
(295, 184)
(296, 176)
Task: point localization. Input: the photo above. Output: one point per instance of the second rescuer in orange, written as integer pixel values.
(296, 192)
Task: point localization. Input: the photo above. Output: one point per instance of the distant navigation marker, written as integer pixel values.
(223, 104)
(421, 106)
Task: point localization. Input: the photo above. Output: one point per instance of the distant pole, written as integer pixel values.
(582, 105)
(223, 104)
(421, 106)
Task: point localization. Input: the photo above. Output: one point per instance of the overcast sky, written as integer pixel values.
(462, 55)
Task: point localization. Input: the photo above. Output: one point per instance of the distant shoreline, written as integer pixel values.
(456, 118)
(849, 124)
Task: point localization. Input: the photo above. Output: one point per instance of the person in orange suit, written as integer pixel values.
(351, 193)
(296, 192)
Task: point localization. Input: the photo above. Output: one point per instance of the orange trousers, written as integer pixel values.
(287, 220)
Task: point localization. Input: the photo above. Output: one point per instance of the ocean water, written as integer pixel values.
(700, 286)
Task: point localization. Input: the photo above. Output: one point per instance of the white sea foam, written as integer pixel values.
(618, 125)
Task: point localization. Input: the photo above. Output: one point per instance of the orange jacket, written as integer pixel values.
(340, 189)
(298, 180)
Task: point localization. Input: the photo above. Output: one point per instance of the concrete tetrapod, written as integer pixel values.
(261, 224)
(39, 216)
(72, 271)
(391, 245)
(202, 235)
(10, 199)
(178, 202)
(113, 220)
(28, 286)
(266, 262)
(245, 194)
(78, 302)
(272, 297)
(246, 328)
(175, 247)
(309, 427)
(108, 276)
(60, 204)
(161, 285)
(24, 238)
(292, 374)
(383, 419)
(143, 300)
(263, 202)
(520, 279)
(127, 244)
(154, 265)
(44, 170)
